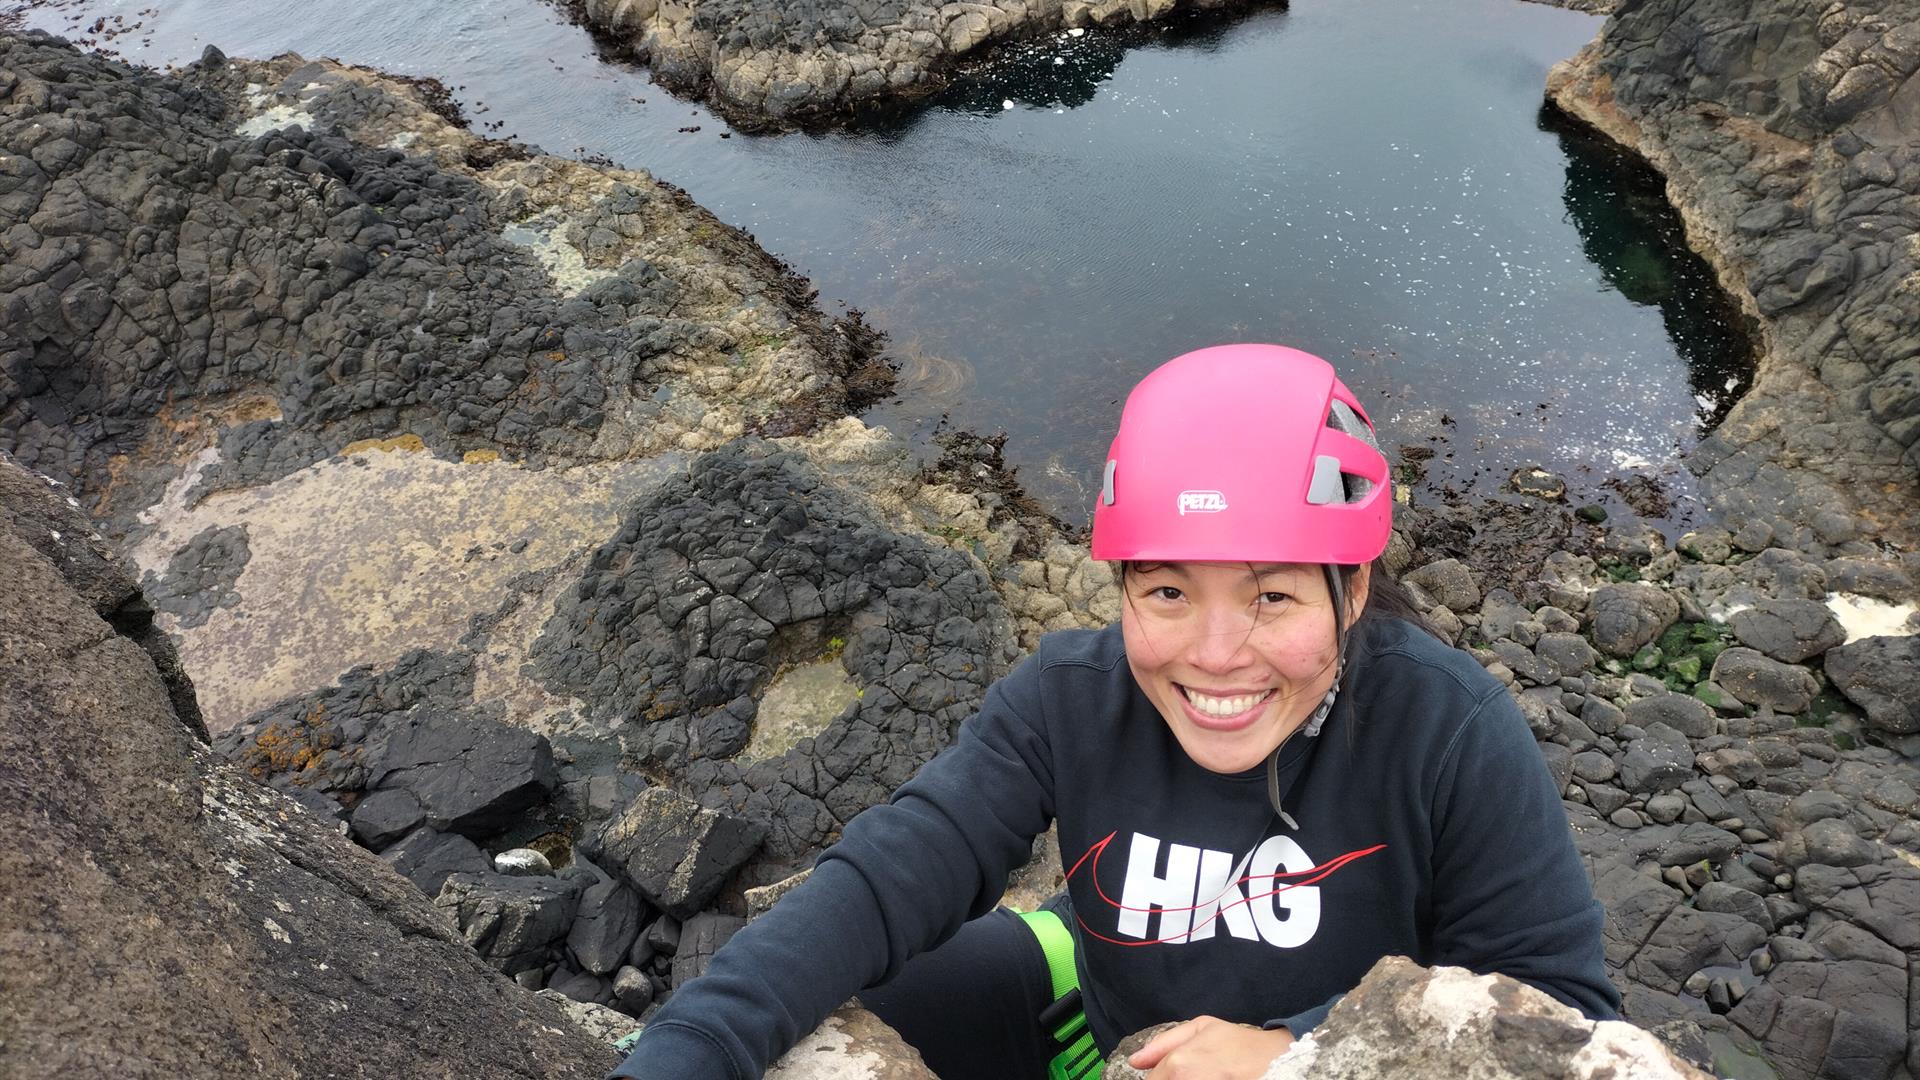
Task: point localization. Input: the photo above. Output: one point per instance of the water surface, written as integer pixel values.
(1372, 180)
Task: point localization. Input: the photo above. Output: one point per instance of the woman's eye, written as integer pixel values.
(1274, 598)
(1167, 592)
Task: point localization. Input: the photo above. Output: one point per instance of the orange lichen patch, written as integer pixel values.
(290, 748)
(480, 457)
(409, 443)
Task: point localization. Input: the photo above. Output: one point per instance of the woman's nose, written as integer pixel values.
(1219, 635)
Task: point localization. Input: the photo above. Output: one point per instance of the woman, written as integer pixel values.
(1266, 778)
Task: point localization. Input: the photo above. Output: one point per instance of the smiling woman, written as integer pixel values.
(1247, 504)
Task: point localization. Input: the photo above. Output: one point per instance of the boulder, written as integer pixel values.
(674, 851)
(1763, 682)
(1682, 712)
(1660, 760)
(167, 915)
(511, 921)
(1404, 1020)
(1790, 631)
(1626, 616)
(385, 816)
(471, 776)
(427, 857)
(700, 938)
(1882, 676)
(605, 928)
(1449, 582)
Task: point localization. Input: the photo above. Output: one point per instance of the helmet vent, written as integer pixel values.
(1331, 484)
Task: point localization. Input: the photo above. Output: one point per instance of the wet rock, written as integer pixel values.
(471, 776)
(1706, 545)
(1764, 683)
(1790, 631)
(676, 853)
(1626, 616)
(1718, 896)
(1882, 676)
(522, 862)
(1569, 580)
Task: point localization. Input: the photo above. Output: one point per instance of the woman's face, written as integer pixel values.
(1234, 656)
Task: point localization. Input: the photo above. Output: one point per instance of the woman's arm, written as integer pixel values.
(903, 878)
(1509, 892)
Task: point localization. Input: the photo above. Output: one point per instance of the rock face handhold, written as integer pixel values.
(256, 940)
(471, 776)
(1882, 676)
(675, 852)
(852, 1042)
(1405, 1021)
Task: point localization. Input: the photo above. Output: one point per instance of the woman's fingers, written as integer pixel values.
(1167, 1042)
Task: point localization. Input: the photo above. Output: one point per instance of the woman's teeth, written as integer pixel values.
(1223, 707)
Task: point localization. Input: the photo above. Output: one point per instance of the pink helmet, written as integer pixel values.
(1254, 453)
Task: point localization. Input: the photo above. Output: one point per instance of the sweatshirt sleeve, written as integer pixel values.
(1510, 894)
(903, 878)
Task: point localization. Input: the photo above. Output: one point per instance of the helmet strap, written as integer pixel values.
(1319, 718)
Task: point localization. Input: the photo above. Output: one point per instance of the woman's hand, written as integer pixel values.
(1208, 1048)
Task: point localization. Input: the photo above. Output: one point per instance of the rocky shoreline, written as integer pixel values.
(509, 515)
(767, 64)
(1787, 137)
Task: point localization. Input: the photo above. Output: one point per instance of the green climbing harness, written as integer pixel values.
(1064, 1021)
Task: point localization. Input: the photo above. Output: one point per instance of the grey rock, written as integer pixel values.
(1626, 616)
(522, 862)
(1666, 809)
(582, 986)
(1696, 842)
(1882, 676)
(1566, 652)
(1604, 798)
(1661, 760)
(674, 851)
(1601, 715)
(1682, 712)
(1722, 897)
(1829, 842)
(1763, 682)
(1626, 818)
(700, 938)
(1790, 631)
(1595, 766)
(1449, 582)
(632, 990)
(1559, 764)
(1706, 545)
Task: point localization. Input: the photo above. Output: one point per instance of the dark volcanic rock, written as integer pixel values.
(700, 938)
(240, 936)
(1759, 681)
(200, 576)
(762, 62)
(1660, 760)
(676, 852)
(1790, 631)
(1882, 676)
(471, 776)
(512, 921)
(428, 857)
(749, 562)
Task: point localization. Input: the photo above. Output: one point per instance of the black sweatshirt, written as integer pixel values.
(1428, 826)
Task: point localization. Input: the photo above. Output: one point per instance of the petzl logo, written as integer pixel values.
(1201, 502)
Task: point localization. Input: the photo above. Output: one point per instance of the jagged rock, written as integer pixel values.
(249, 938)
(471, 776)
(1404, 1020)
(1882, 676)
(1764, 683)
(674, 851)
(604, 930)
(1790, 631)
(1627, 615)
(700, 938)
(511, 921)
(427, 857)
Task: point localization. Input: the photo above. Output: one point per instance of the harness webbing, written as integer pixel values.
(1065, 1021)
